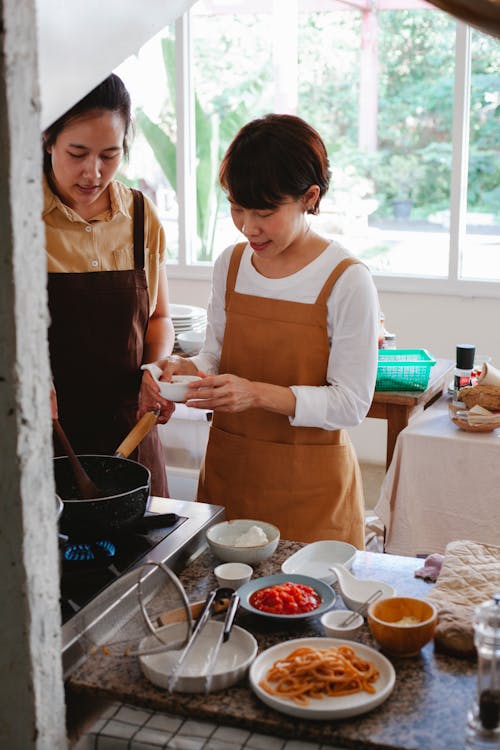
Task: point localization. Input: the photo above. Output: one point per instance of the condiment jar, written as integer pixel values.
(483, 726)
(463, 368)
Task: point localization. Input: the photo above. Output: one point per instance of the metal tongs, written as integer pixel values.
(203, 618)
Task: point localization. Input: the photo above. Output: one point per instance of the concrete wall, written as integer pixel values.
(31, 689)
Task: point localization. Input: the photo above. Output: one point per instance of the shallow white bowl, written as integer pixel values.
(176, 390)
(332, 624)
(232, 575)
(233, 660)
(191, 341)
(222, 536)
(314, 559)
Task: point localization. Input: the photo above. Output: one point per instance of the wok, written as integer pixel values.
(124, 484)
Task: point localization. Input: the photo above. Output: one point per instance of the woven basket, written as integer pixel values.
(487, 396)
(464, 425)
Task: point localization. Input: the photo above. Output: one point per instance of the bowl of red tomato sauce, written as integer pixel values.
(286, 596)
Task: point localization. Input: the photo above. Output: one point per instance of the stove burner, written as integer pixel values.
(102, 549)
(91, 559)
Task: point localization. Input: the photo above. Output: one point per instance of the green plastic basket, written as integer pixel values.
(403, 369)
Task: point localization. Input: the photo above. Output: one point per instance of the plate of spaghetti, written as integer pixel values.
(322, 678)
(286, 596)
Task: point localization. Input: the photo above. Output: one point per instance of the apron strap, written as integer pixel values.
(138, 229)
(234, 265)
(334, 276)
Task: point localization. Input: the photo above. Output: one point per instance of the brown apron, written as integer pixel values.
(96, 338)
(305, 480)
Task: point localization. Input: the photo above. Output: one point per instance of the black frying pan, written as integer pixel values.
(124, 485)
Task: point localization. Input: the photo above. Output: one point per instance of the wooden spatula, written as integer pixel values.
(86, 487)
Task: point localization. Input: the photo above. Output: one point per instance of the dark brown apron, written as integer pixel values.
(96, 338)
(306, 480)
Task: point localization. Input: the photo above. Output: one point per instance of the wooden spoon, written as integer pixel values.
(86, 487)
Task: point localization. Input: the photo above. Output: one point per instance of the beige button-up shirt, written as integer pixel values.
(105, 243)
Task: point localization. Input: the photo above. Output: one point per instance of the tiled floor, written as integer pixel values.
(124, 727)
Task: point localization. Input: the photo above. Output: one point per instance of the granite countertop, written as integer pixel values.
(427, 709)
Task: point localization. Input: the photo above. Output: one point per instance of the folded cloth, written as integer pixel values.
(431, 568)
(470, 575)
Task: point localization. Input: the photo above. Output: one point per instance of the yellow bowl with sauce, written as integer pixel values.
(402, 625)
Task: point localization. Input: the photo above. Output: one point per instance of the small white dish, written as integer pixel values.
(232, 575)
(233, 660)
(333, 627)
(314, 559)
(176, 390)
(191, 341)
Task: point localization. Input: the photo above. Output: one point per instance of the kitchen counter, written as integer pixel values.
(426, 711)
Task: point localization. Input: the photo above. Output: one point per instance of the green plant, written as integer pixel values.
(213, 134)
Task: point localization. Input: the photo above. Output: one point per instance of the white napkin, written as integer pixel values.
(489, 375)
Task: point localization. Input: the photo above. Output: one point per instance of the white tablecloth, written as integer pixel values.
(443, 484)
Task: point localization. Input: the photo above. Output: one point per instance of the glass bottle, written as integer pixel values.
(464, 366)
(483, 725)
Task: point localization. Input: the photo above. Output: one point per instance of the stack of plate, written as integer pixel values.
(187, 318)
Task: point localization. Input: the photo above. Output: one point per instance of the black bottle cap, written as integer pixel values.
(465, 356)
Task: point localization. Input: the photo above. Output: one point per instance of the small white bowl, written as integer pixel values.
(222, 539)
(191, 341)
(232, 575)
(332, 624)
(176, 389)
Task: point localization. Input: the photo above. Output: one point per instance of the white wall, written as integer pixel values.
(81, 41)
(434, 322)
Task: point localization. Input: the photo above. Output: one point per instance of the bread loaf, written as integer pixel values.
(484, 395)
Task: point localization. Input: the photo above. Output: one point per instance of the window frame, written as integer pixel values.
(186, 268)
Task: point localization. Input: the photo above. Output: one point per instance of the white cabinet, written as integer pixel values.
(184, 439)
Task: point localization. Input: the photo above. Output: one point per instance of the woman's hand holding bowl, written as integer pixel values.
(150, 399)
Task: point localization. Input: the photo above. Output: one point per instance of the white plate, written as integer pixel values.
(329, 707)
(232, 662)
(185, 312)
(314, 559)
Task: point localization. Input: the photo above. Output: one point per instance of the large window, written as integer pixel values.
(406, 100)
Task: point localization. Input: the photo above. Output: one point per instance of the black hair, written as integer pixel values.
(273, 157)
(110, 95)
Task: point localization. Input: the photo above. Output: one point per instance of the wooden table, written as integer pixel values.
(398, 406)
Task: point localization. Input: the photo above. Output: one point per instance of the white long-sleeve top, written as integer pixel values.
(353, 319)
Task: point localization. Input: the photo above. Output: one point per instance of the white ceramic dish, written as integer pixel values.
(340, 707)
(222, 537)
(333, 627)
(233, 660)
(233, 574)
(176, 389)
(191, 341)
(326, 593)
(314, 559)
(357, 591)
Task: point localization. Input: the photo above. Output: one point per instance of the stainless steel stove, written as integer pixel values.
(90, 574)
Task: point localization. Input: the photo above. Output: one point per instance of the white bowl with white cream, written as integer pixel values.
(243, 540)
